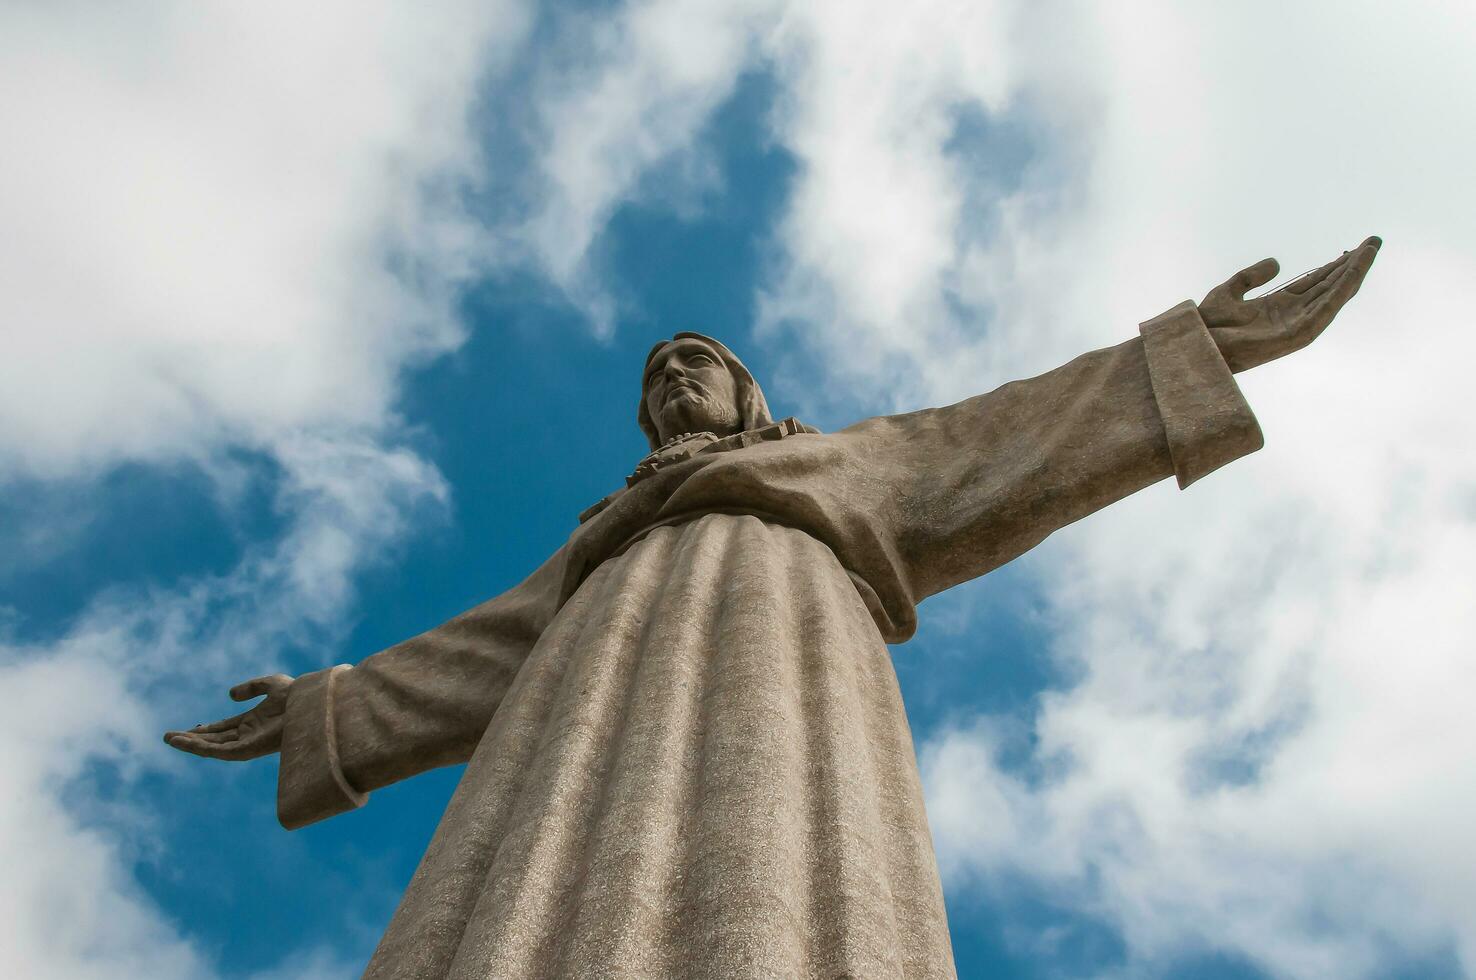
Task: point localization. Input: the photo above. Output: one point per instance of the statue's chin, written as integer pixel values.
(690, 411)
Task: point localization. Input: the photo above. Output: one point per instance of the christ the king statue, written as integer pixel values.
(687, 753)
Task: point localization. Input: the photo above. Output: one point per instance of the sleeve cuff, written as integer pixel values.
(310, 782)
(1205, 417)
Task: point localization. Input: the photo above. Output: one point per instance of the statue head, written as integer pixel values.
(693, 383)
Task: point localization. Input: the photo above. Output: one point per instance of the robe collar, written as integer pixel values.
(680, 448)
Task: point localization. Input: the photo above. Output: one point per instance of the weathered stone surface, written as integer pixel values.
(688, 753)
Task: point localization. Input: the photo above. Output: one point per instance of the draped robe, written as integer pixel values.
(687, 751)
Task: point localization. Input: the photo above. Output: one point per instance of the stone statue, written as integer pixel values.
(687, 751)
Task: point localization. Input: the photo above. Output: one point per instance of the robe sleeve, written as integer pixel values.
(420, 704)
(963, 489)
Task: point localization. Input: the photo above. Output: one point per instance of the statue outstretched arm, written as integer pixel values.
(964, 489)
(345, 731)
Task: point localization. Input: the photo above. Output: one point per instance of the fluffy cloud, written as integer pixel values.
(203, 209)
(1267, 750)
(615, 99)
(229, 231)
(70, 908)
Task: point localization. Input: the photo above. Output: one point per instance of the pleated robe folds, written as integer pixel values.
(688, 752)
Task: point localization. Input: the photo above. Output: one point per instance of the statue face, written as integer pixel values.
(690, 389)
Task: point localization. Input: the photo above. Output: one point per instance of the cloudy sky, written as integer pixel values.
(322, 322)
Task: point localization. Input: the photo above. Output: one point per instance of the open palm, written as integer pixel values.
(250, 734)
(1253, 331)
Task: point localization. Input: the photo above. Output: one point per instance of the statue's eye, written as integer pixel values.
(700, 359)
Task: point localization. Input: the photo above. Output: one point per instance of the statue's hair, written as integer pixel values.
(753, 411)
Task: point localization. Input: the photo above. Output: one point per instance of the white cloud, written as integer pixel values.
(124, 672)
(618, 97)
(201, 207)
(1268, 751)
(70, 907)
(228, 229)
(876, 231)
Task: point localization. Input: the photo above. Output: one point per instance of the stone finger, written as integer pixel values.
(219, 726)
(1253, 276)
(1319, 276)
(1342, 287)
(191, 744)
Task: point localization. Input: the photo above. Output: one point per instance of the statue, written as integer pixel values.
(687, 751)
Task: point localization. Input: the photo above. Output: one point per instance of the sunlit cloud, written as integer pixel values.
(230, 231)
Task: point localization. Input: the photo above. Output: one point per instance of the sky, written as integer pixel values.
(323, 322)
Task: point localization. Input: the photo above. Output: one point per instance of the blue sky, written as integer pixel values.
(324, 328)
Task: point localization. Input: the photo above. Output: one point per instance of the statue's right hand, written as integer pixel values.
(248, 735)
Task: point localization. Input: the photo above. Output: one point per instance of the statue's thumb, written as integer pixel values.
(1252, 276)
(247, 690)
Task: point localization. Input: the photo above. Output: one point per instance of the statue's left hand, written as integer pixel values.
(1253, 331)
(249, 735)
